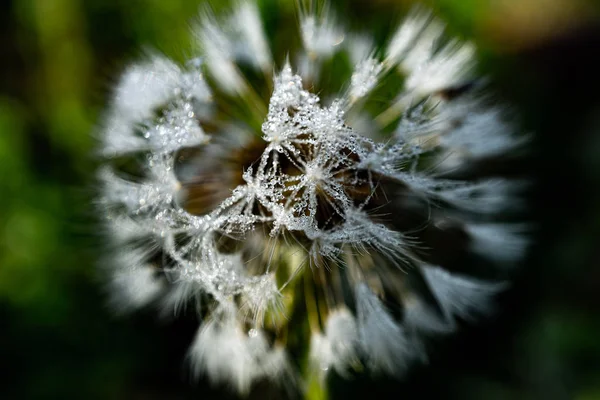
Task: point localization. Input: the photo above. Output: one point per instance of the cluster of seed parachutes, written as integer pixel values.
(249, 206)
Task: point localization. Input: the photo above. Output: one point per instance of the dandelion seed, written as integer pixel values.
(230, 185)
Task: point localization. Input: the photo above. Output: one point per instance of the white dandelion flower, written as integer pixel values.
(230, 184)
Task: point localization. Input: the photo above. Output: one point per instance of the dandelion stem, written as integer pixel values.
(311, 305)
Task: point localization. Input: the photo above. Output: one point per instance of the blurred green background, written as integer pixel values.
(58, 338)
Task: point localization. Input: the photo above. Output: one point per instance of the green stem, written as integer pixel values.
(316, 388)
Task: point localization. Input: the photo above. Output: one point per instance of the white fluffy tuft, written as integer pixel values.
(383, 341)
(460, 296)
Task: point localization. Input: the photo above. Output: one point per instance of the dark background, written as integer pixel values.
(58, 337)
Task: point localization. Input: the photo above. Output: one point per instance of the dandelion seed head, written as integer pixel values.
(231, 184)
